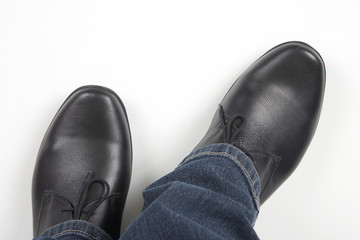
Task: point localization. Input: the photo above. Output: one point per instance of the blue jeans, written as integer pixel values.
(213, 194)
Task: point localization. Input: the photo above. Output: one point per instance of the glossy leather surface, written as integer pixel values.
(279, 99)
(89, 138)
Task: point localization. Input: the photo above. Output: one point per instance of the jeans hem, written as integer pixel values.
(76, 227)
(234, 154)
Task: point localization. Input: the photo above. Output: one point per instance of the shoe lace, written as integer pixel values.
(228, 126)
(78, 208)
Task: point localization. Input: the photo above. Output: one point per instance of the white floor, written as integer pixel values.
(171, 62)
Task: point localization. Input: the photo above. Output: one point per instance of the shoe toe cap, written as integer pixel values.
(91, 112)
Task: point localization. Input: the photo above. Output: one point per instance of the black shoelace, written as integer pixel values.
(230, 130)
(78, 208)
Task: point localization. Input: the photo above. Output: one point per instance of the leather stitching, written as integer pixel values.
(48, 193)
(275, 159)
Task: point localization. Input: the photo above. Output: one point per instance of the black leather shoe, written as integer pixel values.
(84, 163)
(271, 112)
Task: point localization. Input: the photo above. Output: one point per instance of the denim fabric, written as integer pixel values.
(213, 194)
(74, 230)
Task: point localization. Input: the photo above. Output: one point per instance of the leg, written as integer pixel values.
(213, 194)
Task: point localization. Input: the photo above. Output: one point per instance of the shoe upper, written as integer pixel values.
(84, 163)
(272, 110)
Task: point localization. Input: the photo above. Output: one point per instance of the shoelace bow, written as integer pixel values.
(228, 125)
(78, 208)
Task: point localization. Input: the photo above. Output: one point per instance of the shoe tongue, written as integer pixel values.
(265, 165)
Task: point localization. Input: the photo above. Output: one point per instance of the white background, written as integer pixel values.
(171, 62)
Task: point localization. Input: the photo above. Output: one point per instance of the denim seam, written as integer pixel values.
(74, 230)
(237, 161)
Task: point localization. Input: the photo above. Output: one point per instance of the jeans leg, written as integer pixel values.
(212, 194)
(74, 230)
